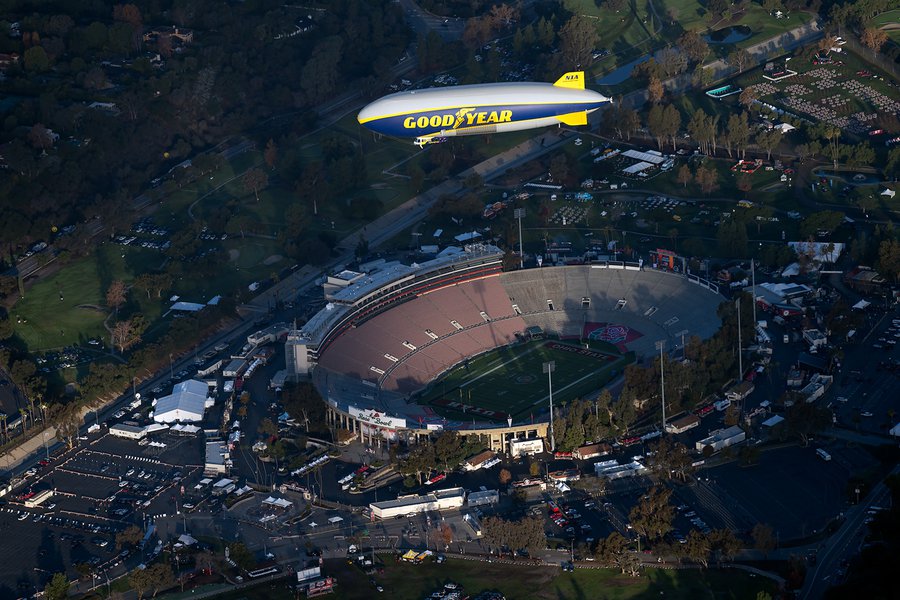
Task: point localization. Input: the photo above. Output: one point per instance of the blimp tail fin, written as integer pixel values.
(572, 119)
(573, 79)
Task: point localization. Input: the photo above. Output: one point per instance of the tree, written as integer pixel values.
(534, 468)
(125, 335)
(763, 538)
(684, 176)
(130, 536)
(140, 581)
(267, 428)
(671, 123)
(748, 96)
(744, 183)
(255, 180)
(693, 45)
(673, 61)
(768, 141)
(697, 548)
(724, 544)
(740, 59)
(57, 588)
(161, 576)
(67, 422)
(271, 154)
(115, 295)
(889, 259)
(737, 134)
(503, 15)
(241, 556)
(505, 476)
(656, 124)
(652, 516)
(655, 90)
(578, 37)
(36, 60)
(707, 179)
(872, 37)
(40, 137)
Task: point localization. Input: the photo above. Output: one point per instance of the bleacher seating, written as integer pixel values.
(656, 304)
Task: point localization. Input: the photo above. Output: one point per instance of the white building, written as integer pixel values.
(525, 447)
(414, 504)
(128, 432)
(722, 438)
(186, 403)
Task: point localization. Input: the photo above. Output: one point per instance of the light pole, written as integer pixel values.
(549, 367)
(661, 344)
(740, 355)
(519, 213)
(44, 437)
(753, 287)
(171, 369)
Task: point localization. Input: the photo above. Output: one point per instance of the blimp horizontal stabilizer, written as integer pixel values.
(435, 114)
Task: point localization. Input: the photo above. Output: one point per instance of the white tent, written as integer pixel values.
(861, 305)
(637, 167)
(895, 430)
(785, 127)
(890, 193)
(186, 403)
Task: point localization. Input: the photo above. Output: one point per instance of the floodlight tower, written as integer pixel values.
(549, 367)
(660, 345)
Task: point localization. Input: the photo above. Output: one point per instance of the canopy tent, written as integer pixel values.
(861, 305)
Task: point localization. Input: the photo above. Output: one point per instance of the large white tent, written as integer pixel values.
(186, 403)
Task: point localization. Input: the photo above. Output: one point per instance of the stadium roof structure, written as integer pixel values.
(186, 403)
(357, 291)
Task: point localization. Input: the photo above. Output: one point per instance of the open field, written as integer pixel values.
(510, 381)
(69, 307)
(892, 19)
(403, 581)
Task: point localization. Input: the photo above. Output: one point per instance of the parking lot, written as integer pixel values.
(99, 489)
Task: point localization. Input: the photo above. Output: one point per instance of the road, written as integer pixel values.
(843, 544)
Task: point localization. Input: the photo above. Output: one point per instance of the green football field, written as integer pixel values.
(510, 381)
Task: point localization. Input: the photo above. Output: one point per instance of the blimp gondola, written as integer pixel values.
(435, 114)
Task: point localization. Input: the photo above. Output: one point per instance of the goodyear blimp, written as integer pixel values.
(432, 115)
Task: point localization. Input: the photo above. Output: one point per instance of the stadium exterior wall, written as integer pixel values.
(366, 432)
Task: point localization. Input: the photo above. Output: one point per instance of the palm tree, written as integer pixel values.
(3, 427)
(23, 412)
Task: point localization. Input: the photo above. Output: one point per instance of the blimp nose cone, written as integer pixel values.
(368, 113)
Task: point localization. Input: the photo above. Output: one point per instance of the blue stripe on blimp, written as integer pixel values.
(428, 122)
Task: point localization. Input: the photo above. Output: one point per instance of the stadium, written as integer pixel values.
(456, 343)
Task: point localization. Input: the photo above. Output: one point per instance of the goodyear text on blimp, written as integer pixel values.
(462, 117)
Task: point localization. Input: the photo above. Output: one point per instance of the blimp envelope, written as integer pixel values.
(436, 113)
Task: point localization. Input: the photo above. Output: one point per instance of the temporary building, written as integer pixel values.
(186, 403)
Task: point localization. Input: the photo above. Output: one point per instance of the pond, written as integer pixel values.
(622, 73)
(729, 35)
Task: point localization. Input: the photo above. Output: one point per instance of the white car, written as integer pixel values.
(866, 413)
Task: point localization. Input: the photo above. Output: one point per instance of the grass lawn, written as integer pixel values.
(69, 307)
(402, 581)
(510, 381)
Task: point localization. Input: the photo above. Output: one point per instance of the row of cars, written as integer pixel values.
(891, 336)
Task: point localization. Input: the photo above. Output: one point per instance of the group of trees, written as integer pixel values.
(447, 451)
(583, 421)
(242, 75)
(510, 536)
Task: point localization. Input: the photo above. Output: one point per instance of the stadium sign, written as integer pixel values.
(377, 418)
